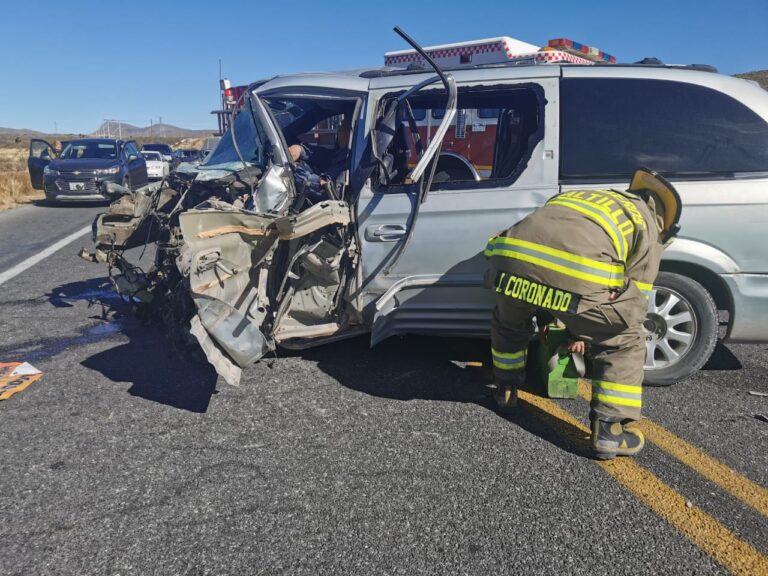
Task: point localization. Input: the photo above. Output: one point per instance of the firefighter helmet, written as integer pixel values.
(648, 182)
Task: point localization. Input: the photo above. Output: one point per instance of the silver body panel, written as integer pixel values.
(724, 222)
(436, 286)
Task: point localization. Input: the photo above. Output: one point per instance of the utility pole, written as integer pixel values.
(55, 127)
(150, 128)
(160, 121)
(120, 129)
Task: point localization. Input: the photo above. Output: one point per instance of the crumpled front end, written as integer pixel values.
(259, 280)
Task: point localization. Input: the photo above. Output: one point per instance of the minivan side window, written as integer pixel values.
(609, 126)
(489, 142)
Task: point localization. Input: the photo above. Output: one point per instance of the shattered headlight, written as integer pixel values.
(102, 171)
(49, 172)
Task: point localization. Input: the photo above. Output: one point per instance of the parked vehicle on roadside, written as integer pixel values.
(191, 155)
(157, 167)
(83, 166)
(396, 246)
(164, 149)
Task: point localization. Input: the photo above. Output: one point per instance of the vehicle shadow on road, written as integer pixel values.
(45, 203)
(156, 368)
(156, 371)
(722, 359)
(437, 369)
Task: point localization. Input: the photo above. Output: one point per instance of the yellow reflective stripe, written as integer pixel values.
(617, 387)
(575, 258)
(509, 355)
(628, 205)
(610, 282)
(502, 366)
(599, 204)
(509, 360)
(617, 400)
(644, 288)
(488, 252)
(611, 227)
(603, 204)
(627, 228)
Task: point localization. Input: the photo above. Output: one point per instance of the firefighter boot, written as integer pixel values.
(611, 439)
(505, 397)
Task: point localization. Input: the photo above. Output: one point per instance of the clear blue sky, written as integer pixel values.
(76, 63)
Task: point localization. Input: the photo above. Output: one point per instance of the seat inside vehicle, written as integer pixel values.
(511, 119)
(320, 126)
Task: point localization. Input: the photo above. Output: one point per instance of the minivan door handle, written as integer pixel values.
(385, 233)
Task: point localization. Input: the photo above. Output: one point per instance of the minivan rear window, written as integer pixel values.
(611, 126)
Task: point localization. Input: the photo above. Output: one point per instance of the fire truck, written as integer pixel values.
(230, 97)
(468, 146)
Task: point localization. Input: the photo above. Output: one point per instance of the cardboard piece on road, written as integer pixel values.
(15, 377)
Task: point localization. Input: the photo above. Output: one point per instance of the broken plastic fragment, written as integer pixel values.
(15, 377)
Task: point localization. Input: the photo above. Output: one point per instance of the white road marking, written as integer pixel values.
(31, 261)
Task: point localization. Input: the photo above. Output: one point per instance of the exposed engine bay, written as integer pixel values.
(235, 278)
(258, 246)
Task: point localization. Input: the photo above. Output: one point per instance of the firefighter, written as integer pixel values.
(588, 258)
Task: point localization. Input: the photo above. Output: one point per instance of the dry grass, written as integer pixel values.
(189, 143)
(15, 186)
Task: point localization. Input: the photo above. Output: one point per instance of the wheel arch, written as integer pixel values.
(705, 264)
(710, 280)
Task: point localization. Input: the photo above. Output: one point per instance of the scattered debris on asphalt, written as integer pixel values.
(762, 417)
(755, 393)
(15, 377)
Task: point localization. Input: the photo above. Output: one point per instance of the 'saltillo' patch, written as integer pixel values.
(536, 293)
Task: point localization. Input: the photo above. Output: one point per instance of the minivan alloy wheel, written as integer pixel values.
(670, 328)
(681, 329)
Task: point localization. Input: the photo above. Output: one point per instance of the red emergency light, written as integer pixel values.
(588, 52)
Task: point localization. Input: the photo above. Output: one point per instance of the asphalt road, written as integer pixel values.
(128, 458)
(31, 228)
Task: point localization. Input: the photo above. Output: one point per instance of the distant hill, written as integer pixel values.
(20, 132)
(759, 76)
(161, 130)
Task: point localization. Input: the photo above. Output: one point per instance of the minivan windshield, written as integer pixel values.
(250, 137)
(89, 149)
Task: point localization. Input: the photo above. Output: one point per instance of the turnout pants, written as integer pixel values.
(615, 356)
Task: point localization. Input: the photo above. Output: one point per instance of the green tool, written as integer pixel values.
(559, 370)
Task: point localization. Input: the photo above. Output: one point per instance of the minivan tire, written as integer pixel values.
(674, 299)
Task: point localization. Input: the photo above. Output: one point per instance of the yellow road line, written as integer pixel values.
(734, 554)
(729, 480)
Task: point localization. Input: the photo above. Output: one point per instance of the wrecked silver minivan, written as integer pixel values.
(268, 243)
(267, 258)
